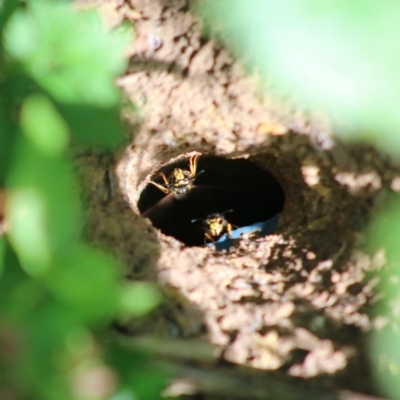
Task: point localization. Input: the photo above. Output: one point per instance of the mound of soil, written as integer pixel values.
(289, 306)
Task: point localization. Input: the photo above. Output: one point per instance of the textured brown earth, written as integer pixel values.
(295, 302)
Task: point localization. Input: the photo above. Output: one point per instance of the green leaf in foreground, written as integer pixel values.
(43, 207)
(44, 126)
(2, 253)
(85, 280)
(6, 9)
(70, 55)
(137, 299)
(58, 295)
(384, 349)
(93, 126)
(68, 52)
(338, 54)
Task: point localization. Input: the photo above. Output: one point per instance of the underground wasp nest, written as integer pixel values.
(183, 198)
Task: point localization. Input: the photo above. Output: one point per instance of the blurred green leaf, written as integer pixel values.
(2, 254)
(11, 277)
(13, 89)
(31, 239)
(46, 318)
(85, 280)
(134, 370)
(44, 332)
(384, 350)
(44, 126)
(138, 298)
(58, 295)
(73, 58)
(43, 206)
(124, 394)
(340, 55)
(67, 52)
(6, 9)
(385, 357)
(93, 126)
(5, 144)
(383, 233)
(30, 359)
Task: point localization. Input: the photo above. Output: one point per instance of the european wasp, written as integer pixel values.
(215, 226)
(180, 182)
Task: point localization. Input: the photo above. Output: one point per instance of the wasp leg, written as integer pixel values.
(209, 237)
(164, 189)
(229, 229)
(159, 186)
(165, 179)
(193, 165)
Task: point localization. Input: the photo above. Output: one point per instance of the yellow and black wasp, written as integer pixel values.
(169, 212)
(215, 226)
(180, 182)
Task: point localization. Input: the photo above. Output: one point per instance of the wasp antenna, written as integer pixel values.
(228, 211)
(203, 221)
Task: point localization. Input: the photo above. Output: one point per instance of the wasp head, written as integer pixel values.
(180, 182)
(216, 225)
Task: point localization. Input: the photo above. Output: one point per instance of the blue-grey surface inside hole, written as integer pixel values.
(225, 242)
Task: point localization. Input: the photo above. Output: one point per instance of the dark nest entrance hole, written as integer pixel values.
(250, 192)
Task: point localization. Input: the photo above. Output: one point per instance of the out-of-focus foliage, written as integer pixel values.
(68, 55)
(73, 71)
(58, 295)
(385, 349)
(343, 56)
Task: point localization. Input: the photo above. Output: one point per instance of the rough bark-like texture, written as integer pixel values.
(294, 302)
